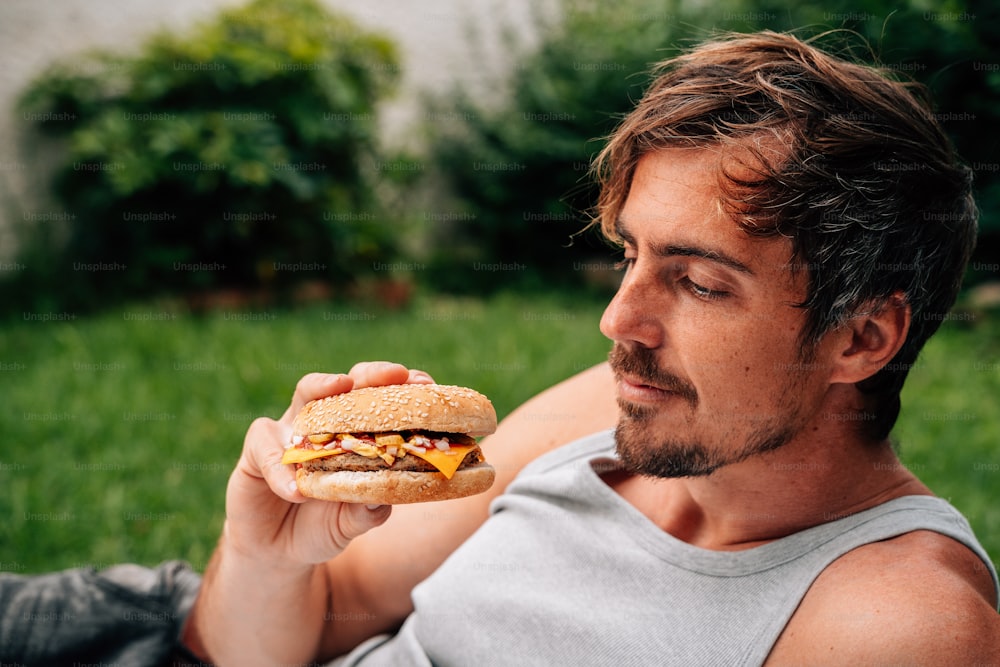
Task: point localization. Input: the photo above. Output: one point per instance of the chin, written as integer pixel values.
(646, 450)
(642, 454)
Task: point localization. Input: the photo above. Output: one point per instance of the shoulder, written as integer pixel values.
(920, 598)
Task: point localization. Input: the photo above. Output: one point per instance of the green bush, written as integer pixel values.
(948, 45)
(239, 155)
(516, 161)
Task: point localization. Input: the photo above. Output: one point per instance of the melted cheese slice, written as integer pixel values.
(447, 462)
(299, 455)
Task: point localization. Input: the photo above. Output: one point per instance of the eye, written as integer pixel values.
(702, 292)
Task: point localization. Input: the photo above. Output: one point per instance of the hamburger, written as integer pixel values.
(393, 444)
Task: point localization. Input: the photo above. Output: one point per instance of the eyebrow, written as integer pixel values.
(673, 250)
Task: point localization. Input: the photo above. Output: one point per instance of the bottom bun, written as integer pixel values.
(393, 487)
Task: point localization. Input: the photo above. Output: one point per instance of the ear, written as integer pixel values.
(870, 339)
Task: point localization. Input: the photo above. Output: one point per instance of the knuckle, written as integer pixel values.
(367, 373)
(359, 367)
(262, 439)
(306, 381)
(260, 426)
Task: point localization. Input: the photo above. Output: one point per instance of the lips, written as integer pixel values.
(640, 380)
(635, 390)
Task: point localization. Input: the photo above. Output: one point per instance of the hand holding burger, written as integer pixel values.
(392, 444)
(275, 537)
(268, 519)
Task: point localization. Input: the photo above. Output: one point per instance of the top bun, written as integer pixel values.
(399, 407)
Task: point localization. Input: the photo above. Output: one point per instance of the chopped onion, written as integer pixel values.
(442, 444)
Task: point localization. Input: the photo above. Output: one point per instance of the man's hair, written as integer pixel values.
(864, 181)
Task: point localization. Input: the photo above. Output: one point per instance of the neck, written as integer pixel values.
(809, 481)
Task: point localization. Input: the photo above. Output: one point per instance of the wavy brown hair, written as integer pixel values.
(865, 182)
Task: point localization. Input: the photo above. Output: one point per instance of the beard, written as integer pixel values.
(645, 450)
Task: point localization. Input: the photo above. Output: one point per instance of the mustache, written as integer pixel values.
(640, 364)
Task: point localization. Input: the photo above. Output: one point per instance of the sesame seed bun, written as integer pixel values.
(393, 487)
(400, 407)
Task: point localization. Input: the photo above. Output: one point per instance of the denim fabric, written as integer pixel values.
(125, 615)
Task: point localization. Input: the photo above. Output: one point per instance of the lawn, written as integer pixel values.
(120, 430)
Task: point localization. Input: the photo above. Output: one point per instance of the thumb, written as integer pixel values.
(355, 519)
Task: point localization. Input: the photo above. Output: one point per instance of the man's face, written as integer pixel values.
(706, 336)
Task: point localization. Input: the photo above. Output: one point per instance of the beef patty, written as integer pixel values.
(357, 463)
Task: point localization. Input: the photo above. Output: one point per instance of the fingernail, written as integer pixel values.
(372, 507)
(292, 487)
(421, 375)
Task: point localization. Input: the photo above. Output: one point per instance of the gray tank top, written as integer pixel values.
(566, 572)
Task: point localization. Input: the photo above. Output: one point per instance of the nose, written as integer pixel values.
(631, 314)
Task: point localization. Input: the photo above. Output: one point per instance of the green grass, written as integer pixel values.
(949, 430)
(120, 430)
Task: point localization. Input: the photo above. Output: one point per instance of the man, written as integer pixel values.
(794, 228)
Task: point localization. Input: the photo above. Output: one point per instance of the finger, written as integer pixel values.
(262, 452)
(420, 377)
(377, 373)
(354, 520)
(314, 386)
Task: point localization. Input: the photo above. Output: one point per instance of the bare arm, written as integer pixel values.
(264, 595)
(294, 579)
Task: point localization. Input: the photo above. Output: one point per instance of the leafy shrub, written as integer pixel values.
(516, 161)
(951, 47)
(239, 155)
